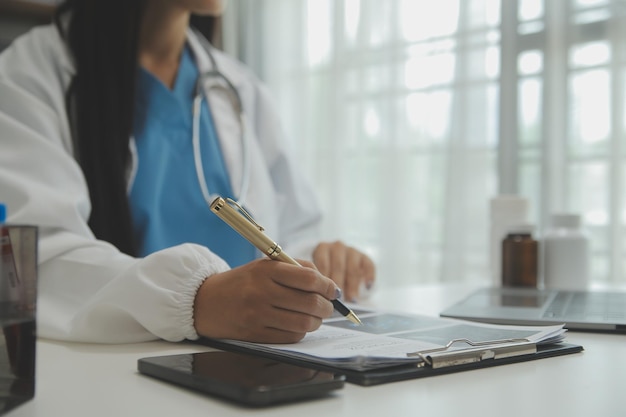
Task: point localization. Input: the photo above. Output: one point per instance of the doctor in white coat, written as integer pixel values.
(117, 124)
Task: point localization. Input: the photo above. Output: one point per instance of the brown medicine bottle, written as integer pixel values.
(520, 258)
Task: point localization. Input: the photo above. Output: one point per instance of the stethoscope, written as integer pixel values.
(215, 79)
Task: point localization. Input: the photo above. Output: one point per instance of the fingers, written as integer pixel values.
(369, 272)
(348, 267)
(304, 279)
(308, 303)
(307, 264)
(329, 258)
(277, 325)
(353, 274)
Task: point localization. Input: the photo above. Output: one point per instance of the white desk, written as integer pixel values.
(101, 380)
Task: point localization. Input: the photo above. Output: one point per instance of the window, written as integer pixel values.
(409, 115)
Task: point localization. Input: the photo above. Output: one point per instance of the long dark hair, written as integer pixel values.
(103, 37)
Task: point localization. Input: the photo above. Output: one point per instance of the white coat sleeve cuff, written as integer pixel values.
(189, 265)
(205, 269)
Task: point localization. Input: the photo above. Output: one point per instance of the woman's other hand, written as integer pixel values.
(264, 301)
(345, 265)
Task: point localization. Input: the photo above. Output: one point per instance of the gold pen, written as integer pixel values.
(245, 225)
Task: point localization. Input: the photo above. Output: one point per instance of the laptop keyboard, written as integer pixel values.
(587, 306)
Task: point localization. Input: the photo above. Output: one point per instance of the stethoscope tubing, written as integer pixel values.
(203, 87)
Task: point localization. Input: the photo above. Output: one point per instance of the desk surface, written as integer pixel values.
(102, 380)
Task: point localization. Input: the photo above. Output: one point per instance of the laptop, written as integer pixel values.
(603, 311)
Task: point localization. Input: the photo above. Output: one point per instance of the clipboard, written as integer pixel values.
(444, 361)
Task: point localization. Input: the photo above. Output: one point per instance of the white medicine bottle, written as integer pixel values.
(566, 254)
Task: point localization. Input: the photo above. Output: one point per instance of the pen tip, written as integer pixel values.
(354, 318)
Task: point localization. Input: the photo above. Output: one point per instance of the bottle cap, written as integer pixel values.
(509, 204)
(522, 228)
(3, 213)
(566, 220)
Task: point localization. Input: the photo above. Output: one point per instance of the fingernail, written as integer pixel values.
(338, 292)
(369, 285)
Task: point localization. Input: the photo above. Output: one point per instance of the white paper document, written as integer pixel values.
(387, 339)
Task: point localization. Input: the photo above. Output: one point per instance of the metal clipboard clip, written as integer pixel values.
(479, 351)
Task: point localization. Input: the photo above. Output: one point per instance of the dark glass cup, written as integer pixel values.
(18, 296)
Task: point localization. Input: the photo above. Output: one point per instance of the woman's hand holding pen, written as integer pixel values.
(264, 301)
(345, 265)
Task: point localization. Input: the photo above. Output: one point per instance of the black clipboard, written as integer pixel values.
(405, 372)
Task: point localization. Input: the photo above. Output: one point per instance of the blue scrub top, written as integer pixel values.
(166, 201)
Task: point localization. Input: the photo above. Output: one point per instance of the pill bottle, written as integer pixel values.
(504, 211)
(565, 253)
(520, 257)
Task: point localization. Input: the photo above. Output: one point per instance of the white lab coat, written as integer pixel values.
(88, 290)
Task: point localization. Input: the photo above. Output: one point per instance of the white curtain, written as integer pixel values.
(409, 115)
